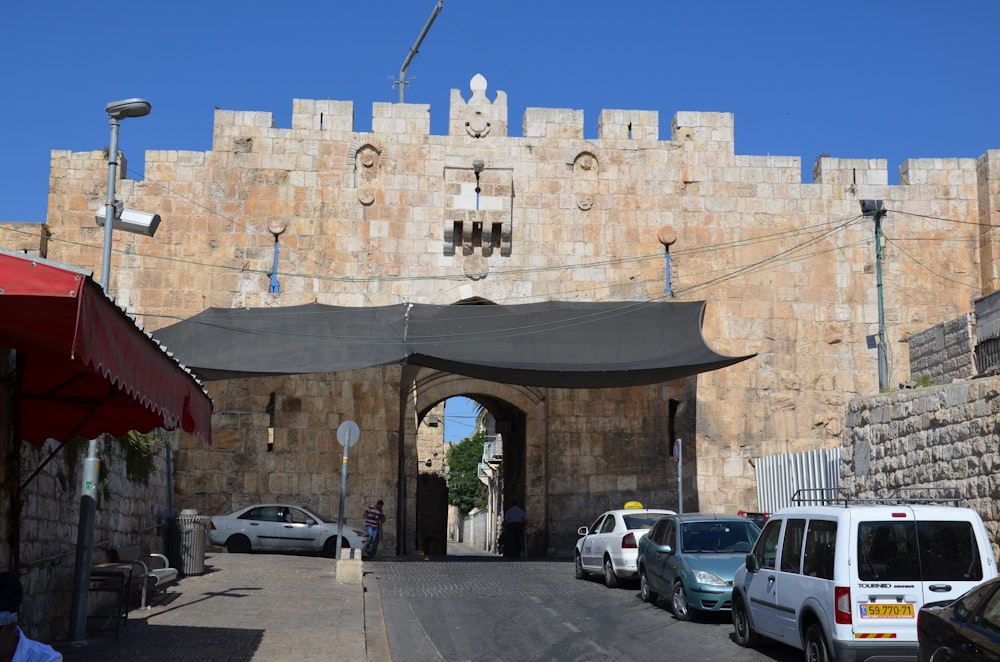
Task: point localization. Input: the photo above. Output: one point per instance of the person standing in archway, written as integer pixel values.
(513, 526)
(373, 526)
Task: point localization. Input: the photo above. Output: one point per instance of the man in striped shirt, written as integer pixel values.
(373, 526)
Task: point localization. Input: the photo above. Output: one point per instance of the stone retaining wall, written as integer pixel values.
(944, 352)
(49, 522)
(944, 436)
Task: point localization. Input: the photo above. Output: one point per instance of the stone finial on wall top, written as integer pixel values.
(479, 117)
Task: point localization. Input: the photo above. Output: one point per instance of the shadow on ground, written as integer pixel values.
(160, 643)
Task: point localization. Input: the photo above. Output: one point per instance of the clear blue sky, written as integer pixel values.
(851, 78)
(459, 419)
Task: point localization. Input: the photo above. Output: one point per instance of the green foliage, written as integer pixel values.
(465, 490)
(138, 450)
(72, 452)
(923, 380)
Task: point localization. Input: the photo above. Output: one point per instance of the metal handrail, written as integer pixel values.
(28, 565)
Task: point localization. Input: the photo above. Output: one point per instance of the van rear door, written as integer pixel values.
(889, 590)
(904, 561)
(953, 558)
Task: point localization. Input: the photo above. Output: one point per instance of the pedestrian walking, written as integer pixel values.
(373, 526)
(513, 526)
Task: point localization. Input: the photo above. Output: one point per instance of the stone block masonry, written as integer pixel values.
(394, 215)
(936, 437)
(945, 351)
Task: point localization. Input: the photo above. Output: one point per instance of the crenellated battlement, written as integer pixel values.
(477, 118)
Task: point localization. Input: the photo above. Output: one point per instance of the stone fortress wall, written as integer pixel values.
(398, 214)
(928, 438)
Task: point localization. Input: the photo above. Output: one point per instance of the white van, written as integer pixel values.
(843, 579)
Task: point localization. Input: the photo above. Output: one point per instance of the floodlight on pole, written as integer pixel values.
(116, 110)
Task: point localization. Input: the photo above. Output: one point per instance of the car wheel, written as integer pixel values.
(679, 603)
(648, 594)
(330, 546)
(578, 566)
(610, 578)
(745, 636)
(815, 645)
(238, 545)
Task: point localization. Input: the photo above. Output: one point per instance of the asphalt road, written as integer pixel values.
(484, 609)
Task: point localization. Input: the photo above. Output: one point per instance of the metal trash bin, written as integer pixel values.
(194, 540)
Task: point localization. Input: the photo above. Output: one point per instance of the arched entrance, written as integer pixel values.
(519, 415)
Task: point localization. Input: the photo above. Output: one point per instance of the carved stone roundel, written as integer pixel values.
(477, 126)
(476, 267)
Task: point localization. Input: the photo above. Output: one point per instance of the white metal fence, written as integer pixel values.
(474, 528)
(779, 476)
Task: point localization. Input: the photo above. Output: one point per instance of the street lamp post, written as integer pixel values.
(116, 110)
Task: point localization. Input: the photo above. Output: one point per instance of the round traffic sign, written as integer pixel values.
(348, 433)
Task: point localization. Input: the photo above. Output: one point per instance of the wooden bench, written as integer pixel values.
(152, 572)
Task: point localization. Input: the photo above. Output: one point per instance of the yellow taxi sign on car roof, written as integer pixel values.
(633, 504)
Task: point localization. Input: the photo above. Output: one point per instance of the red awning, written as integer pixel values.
(84, 367)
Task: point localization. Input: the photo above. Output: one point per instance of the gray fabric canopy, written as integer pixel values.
(551, 344)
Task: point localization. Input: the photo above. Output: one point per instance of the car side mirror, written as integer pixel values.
(310, 521)
(582, 531)
(752, 563)
(665, 549)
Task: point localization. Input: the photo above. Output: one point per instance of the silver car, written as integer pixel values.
(278, 527)
(610, 545)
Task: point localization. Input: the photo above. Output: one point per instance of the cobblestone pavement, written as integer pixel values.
(245, 607)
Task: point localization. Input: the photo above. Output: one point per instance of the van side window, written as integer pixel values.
(791, 549)
(948, 551)
(821, 547)
(766, 549)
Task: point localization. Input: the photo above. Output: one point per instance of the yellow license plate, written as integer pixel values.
(887, 610)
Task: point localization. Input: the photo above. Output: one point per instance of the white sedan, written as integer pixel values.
(278, 527)
(610, 546)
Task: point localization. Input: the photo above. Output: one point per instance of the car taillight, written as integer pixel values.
(628, 542)
(842, 604)
(212, 524)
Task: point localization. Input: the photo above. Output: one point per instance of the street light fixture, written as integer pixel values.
(116, 110)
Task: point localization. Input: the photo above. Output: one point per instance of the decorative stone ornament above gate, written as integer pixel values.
(478, 197)
(368, 160)
(479, 117)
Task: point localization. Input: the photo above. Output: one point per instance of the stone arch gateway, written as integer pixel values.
(522, 409)
(586, 386)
